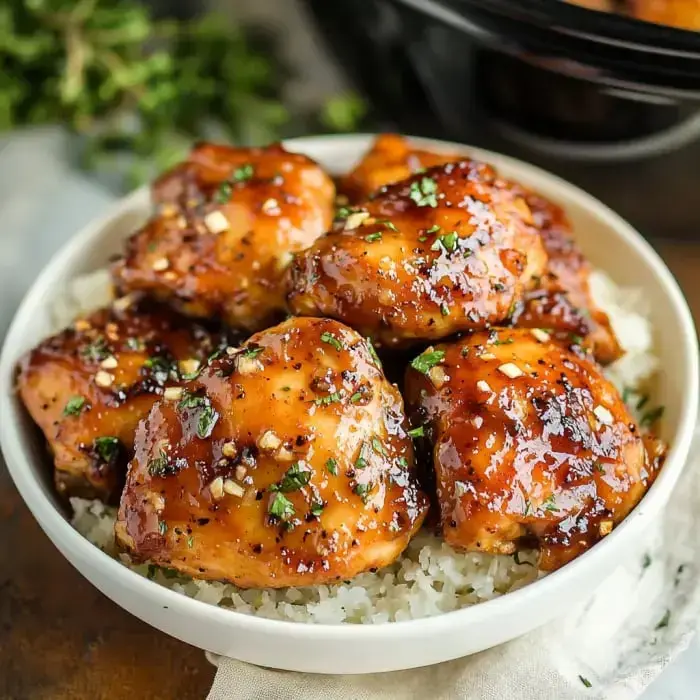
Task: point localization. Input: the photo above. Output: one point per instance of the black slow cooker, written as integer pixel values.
(609, 102)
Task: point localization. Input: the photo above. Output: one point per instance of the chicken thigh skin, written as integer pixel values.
(286, 462)
(530, 444)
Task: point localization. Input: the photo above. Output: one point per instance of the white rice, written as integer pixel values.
(430, 577)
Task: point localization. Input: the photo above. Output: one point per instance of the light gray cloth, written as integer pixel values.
(617, 642)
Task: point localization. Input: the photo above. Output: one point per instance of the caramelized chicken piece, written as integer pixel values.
(229, 220)
(442, 252)
(88, 386)
(530, 443)
(285, 463)
(390, 159)
(560, 298)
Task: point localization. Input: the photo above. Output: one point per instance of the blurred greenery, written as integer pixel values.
(141, 89)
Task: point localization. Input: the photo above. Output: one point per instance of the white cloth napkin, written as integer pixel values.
(609, 647)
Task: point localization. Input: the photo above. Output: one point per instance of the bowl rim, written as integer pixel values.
(59, 529)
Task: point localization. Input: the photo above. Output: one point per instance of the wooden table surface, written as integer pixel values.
(61, 639)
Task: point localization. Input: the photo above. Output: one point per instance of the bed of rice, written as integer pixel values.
(430, 578)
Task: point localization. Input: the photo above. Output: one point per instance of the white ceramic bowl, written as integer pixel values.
(610, 243)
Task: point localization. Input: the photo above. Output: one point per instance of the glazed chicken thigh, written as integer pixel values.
(286, 462)
(560, 297)
(228, 221)
(441, 252)
(530, 444)
(88, 386)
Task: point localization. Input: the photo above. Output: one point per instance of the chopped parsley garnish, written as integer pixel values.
(627, 394)
(280, 506)
(107, 448)
(550, 505)
(417, 432)
(190, 541)
(378, 447)
(316, 508)
(355, 397)
(245, 172)
(160, 367)
(389, 225)
(447, 241)
(161, 465)
(326, 400)
(444, 309)
(74, 406)
(294, 479)
(507, 341)
(575, 339)
(332, 340)
(425, 362)
(465, 351)
(207, 420)
(423, 192)
(650, 417)
(499, 287)
(332, 466)
(372, 237)
(642, 402)
(162, 527)
(343, 213)
(252, 350)
(598, 466)
(361, 461)
(434, 229)
(646, 562)
(223, 192)
(585, 681)
(373, 353)
(663, 622)
(362, 490)
(95, 351)
(189, 400)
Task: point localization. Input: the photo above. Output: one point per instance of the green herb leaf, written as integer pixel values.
(332, 466)
(244, 173)
(363, 490)
(373, 353)
(646, 561)
(585, 681)
(663, 622)
(434, 229)
(326, 400)
(423, 192)
(74, 406)
(294, 479)
(388, 225)
(107, 448)
(316, 508)
(378, 447)
(95, 351)
(207, 420)
(417, 432)
(448, 242)
(425, 362)
(355, 397)
(372, 237)
(190, 541)
(332, 340)
(550, 505)
(190, 400)
(252, 350)
(444, 309)
(280, 506)
(162, 527)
